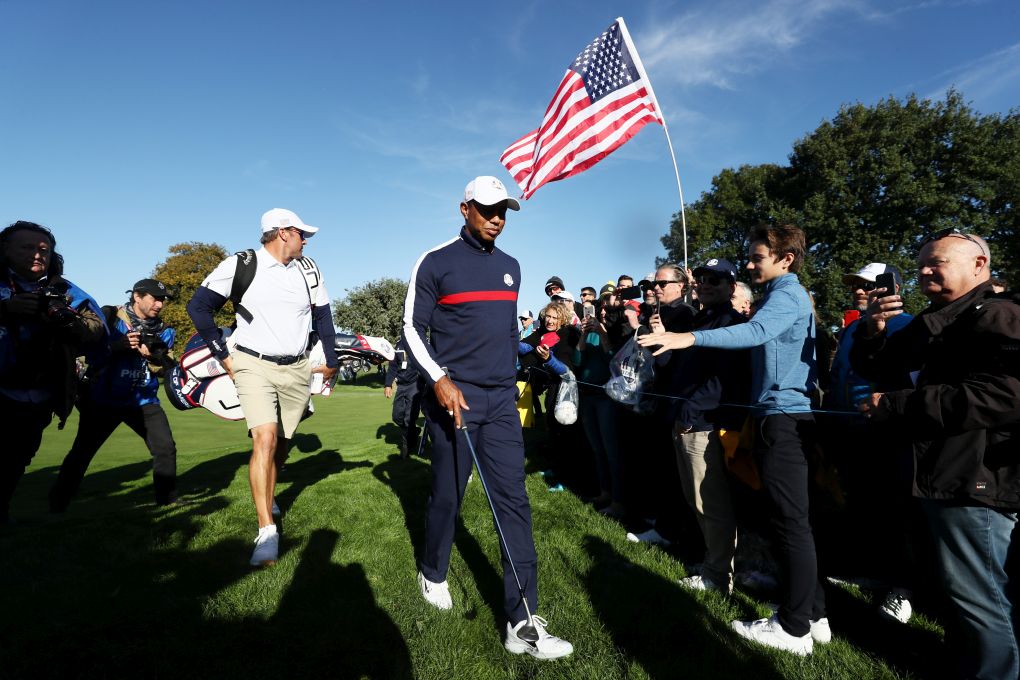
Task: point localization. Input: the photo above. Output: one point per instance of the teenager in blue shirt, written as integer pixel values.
(781, 337)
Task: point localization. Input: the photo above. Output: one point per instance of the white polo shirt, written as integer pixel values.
(278, 301)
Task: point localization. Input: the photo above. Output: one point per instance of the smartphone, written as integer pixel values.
(630, 293)
(589, 310)
(887, 281)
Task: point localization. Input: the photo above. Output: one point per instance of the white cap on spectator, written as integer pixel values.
(871, 271)
(487, 190)
(526, 314)
(564, 295)
(280, 218)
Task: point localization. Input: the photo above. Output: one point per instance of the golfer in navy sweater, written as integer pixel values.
(781, 336)
(463, 293)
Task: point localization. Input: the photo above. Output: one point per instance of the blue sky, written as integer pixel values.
(129, 126)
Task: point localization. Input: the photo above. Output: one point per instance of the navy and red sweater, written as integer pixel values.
(465, 297)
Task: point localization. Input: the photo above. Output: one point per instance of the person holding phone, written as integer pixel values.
(875, 478)
(962, 414)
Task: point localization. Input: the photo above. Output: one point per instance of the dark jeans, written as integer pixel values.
(22, 425)
(976, 560)
(601, 420)
(96, 424)
(780, 452)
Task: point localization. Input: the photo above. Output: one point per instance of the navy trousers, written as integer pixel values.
(495, 430)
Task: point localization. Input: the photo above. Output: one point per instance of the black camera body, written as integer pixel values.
(57, 306)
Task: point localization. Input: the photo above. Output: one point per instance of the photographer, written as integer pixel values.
(124, 389)
(45, 322)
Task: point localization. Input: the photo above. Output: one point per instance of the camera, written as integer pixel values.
(157, 348)
(56, 306)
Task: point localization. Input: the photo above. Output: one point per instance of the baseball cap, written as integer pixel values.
(488, 190)
(871, 271)
(281, 218)
(151, 287)
(526, 314)
(607, 289)
(564, 295)
(718, 266)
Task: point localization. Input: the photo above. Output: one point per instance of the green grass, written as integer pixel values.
(119, 588)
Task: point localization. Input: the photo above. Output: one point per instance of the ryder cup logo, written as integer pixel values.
(508, 280)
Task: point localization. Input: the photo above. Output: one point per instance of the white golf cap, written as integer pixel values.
(870, 272)
(280, 218)
(525, 314)
(487, 190)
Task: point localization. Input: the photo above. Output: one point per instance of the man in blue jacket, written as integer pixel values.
(781, 336)
(460, 326)
(125, 389)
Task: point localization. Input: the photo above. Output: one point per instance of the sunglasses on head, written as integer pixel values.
(952, 232)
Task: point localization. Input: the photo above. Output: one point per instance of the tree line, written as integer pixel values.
(866, 186)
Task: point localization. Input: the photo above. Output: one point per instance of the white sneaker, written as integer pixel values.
(768, 632)
(547, 647)
(651, 536)
(820, 631)
(896, 606)
(436, 594)
(702, 583)
(276, 509)
(267, 547)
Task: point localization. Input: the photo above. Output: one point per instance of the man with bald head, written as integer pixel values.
(963, 417)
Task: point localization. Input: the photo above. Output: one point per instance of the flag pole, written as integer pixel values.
(662, 119)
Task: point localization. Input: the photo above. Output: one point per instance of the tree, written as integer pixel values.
(184, 271)
(868, 186)
(374, 308)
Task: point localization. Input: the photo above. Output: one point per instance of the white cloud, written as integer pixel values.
(983, 78)
(703, 47)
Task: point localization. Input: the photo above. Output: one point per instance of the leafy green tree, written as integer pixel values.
(374, 308)
(184, 270)
(868, 186)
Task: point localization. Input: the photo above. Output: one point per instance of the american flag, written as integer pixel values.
(602, 101)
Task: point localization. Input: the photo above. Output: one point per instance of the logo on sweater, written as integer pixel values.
(508, 280)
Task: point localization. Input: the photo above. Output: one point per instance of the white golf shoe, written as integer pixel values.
(436, 594)
(547, 647)
(267, 547)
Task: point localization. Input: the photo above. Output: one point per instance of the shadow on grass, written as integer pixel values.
(410, 480)
(134, 607)
(656, 623)
(389, 432)
(307, 471)
(306, 443)
(907, 649)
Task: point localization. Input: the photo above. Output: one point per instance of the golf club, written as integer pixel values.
(528, 632)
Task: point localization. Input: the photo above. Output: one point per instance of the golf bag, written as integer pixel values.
(198, 379)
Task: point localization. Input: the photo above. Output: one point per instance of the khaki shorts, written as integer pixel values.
(270, 393)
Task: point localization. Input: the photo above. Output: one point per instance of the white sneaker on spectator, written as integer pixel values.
(768, 632)
(436, 594)
(820, 631)
(703, 583)
(896, 606)
(547, 647)
(267, 547)
(276, 509)
(650, 536)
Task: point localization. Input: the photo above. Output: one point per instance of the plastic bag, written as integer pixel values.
(565, 410)
(632, 370)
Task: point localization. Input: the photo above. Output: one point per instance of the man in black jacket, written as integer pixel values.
(402, 376)
(704, 379)
(963, 416)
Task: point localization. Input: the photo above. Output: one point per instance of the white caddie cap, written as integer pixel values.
(563, 295)
(870, 272)
(281, 218)
(487, 190)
